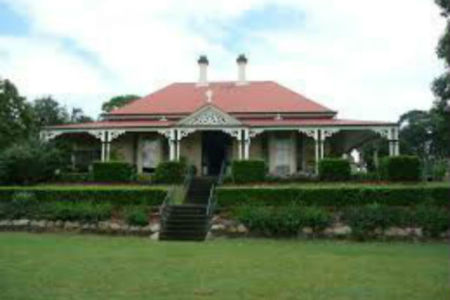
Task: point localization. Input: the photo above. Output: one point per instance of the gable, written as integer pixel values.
(209, 116)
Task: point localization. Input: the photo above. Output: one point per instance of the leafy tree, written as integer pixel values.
(49, 112)
(15, 115)
(117, 102)
(441, 88)
(78, 116)
(29, 161)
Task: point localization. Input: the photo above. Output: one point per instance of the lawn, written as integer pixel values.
(53, 266)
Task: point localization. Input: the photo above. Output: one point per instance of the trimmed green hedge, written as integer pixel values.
(401, 168)
(122, 196)
(248, 171)
(334, 169)
(334, 196)
(113, 171)
(170, 172)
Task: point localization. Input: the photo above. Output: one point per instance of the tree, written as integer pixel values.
(78, 116)
(49, 112)
(15, 115)
(117, 102)
(416, 128)
(440, 112)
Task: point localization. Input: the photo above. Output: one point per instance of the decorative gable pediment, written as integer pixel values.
(209, 116)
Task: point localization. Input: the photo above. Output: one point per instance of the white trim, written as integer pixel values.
(209, 115)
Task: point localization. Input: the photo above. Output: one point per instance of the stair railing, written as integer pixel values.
(170, 196)
(212, 192)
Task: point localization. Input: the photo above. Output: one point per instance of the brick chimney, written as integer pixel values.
(242, 64)
(203, 70)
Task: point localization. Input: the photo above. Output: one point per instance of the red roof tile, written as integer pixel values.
(115, 124)
(257, 96)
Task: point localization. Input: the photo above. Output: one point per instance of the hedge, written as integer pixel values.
(334, 196)
(248, 171)
(122, 196)
(170, 172)
(334, 169)
(401, 168)
(114, 171)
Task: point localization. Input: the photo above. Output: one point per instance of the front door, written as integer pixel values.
(214, 151)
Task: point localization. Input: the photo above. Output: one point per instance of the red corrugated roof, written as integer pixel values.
(115, 124)
(310, 122)
(254, 97)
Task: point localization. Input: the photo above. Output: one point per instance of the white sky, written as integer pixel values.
(369, 60)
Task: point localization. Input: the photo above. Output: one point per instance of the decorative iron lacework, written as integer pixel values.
(209, 118)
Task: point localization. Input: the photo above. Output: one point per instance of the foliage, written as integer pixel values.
(49, 112)
(22, 204)
(334, 196)
(334, 169)
(282, 221)
(170, 172)
(112, 171)
(137, 216)
(433, 220)
(73, 177)
(248, 171)
(15, 115)
(74, 211)
(401, 168)
(117, 102)
(29, 162)
(117, 196)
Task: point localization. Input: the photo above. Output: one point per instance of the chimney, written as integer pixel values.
(242, 63)
(203, 68)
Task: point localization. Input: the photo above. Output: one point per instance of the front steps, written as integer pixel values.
(189, 221)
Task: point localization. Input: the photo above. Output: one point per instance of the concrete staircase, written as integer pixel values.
(188, 221)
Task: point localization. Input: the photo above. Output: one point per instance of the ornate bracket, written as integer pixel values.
(168, 133)
(98, 134)
(383, 132)
(113, 134)
(254, 132)
(49, 135)
(236, 133)
(184, 132)
(326, 133)
(312, 133)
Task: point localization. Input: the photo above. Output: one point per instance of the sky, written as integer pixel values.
(371, 60)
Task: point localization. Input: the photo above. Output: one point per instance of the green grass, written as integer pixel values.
(50, 266)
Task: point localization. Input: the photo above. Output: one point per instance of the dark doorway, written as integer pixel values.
(214, 151)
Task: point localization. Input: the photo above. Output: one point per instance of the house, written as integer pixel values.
(208, 123)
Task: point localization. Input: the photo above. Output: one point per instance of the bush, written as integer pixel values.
(282, 221)
(74, 211)
(401, 168)
(29, 162)
(170, 172)
(432, 220)
(22, 204)
(244, 171)
(137, 216)
(118, 196)
(113, 172)
(364, 220)
(330, 196)
(73, 177)
(334, 169)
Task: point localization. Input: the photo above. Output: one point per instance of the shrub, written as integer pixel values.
(337, 196)
(22, 204)
(137, 216)
(401, 168)
(364, 220)
(432, 220)
(118, 196)
(73, 177)
(248, 171)
(170, 172)
(282, 221)
(114, 171)
(75, 211)
(334, 169)
(29, 162)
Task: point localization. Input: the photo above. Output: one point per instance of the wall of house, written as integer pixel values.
(191, 150)
(290, 154)
(123, 148)
(256, 148)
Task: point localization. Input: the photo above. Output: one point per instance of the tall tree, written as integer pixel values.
(16, 115)
(78, 116)
(117, 102)
(49, 112)
(441, 88)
